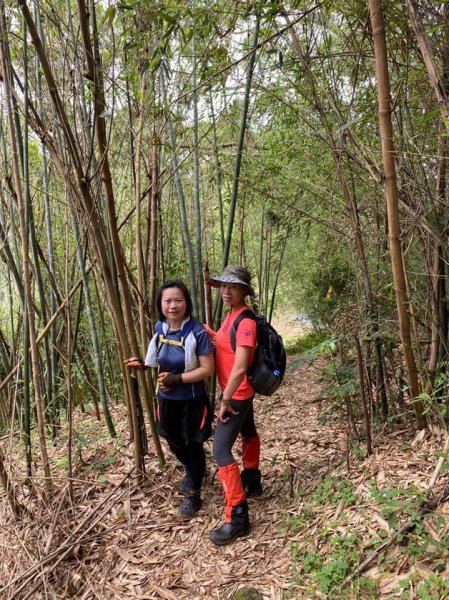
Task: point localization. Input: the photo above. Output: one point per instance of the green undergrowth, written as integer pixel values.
(302, 344)
(334, 532)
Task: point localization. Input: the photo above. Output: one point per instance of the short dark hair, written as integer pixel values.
(173, 283)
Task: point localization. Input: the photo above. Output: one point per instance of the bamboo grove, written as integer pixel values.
(143, 141)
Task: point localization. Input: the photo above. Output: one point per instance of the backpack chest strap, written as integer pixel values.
(163, 340)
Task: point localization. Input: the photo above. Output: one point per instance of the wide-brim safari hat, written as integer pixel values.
(234, 274)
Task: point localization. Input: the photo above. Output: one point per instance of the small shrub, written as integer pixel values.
(304, 343)
(332, 492)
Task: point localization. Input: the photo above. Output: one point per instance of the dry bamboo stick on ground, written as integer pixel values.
(67, 545)
(425, 507)
(439, 465)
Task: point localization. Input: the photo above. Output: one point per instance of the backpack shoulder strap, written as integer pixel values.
(159, 333)
(245, 314)
(188, 327)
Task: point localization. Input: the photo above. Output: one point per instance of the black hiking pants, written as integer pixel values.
(226, 433)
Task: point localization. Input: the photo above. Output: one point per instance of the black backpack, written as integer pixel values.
(268, 368)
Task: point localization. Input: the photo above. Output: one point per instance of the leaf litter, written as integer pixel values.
(134, 545)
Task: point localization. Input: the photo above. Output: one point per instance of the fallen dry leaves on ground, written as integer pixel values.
(118, 541)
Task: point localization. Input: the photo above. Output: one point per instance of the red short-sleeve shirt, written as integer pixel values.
(245, 336)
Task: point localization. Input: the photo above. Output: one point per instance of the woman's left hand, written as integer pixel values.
(167, 381)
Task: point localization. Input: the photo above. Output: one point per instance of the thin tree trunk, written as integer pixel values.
(141, 280)
(438, 288)
(181, 199)
(26, 427)
(100, 105)
(436, 331)
(47, 390)
(366, 411)
(278, 272)
(52, 366)
(69, 409)
(435, 78)
(261, 250)
(26, 263)
(93, 331)
(218, 177)
(240, 144)
(354, 217)
(208, 295)
(394, 230)
(154, 194)
(196, 188)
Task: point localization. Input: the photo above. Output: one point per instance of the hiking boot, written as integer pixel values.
(186, 485)
(238, 526)
(190, 505)
(251, 482)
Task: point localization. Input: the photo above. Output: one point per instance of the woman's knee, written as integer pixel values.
(222, 454)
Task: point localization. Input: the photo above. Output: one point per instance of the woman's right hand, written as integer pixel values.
(225, 409)
(134, 362)
(211, 333)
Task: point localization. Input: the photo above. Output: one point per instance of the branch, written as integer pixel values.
(435, 79)
(425, 507)
(65, 548)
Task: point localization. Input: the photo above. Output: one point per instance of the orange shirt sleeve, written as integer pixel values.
(246, 333)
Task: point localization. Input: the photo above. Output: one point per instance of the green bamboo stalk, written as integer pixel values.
(218, 173)
(93, 330)
(52, 363)
(81, 194)
(69, 387)
(238, 161)
(93, 61)
(26, 263)
(196, 188)
(181, 198)
(240, 144)
(50, 409)
(278, 271)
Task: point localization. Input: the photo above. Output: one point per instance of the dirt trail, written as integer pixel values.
(142, 550)
(159, 556)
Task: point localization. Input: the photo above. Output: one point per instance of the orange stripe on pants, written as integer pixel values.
(251, 452)
(232, 488)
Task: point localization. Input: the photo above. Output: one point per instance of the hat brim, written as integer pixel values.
(217, 281)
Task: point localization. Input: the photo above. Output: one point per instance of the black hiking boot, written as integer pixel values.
(190, 505)
(238, 526)
(251, 482)
(186, 485)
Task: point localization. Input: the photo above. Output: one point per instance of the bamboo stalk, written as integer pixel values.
(25, 259)
(394, 228)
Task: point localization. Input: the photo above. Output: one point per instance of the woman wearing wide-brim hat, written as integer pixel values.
(236, 414)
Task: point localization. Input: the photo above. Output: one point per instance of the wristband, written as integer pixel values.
(143, 366)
